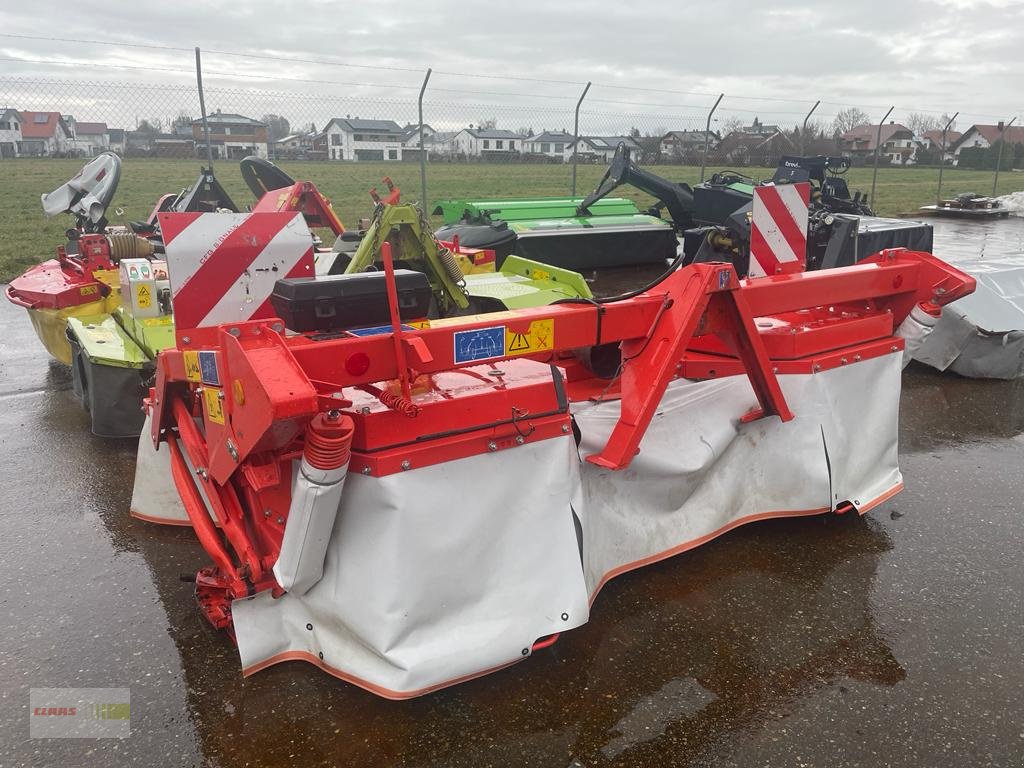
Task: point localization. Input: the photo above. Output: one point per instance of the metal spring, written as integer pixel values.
(400, 404)
(395, 402)
(451, 265)
(328, 440)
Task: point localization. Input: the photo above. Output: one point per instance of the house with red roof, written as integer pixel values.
(44, 134)
(897, 142)
(91, 138)
(984, 136)
(932, 140)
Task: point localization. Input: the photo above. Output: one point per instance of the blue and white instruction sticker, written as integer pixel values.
(208, 368)
(479, 344)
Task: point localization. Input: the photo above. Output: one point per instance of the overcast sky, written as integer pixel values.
(940, 55)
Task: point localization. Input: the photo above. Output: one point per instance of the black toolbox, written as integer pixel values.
(339, 302)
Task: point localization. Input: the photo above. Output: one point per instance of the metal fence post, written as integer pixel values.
(576, 137)
(202, 110)
(707, 136)
(803, 131)
(878, 142)
(942, 158)
(423, 154)
(999, 154)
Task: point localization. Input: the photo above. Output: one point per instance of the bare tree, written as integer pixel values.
(151, 125)
(488, 125)
(182, 124)
(920, 123)
(849, 118)
(277, 127)
(731, 125)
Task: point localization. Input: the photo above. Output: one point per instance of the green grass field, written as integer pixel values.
(27, 237)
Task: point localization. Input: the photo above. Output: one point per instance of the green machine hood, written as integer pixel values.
(454, 211)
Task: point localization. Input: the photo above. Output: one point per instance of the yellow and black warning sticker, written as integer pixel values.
(540, 337)
(214, 404)
(144, 296)
(192, 370)
(89, 290)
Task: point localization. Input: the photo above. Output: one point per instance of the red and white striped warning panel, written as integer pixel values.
(223, 266)
(778, 231)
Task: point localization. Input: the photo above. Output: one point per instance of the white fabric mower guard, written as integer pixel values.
(447, 572)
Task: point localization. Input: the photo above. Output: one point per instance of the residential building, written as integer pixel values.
(898, 143)
(550, 144)
(984, 136)
(760, 129)
(439, 144)
(10, 134)
(932, 141)
(436, 143)
(177, 145)
(91, 138)
(154, 144)
(294, 146)
(319, 146)
(742, 148)
(44, 134)
(486, 142)
(293, 142)
(685, 145)
(411, 135)
(366, 140)
(232, 136)
(601, 148)
(117, 140)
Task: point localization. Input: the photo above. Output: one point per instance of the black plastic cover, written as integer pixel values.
(339, 302)
(714, 204)
(496, 237)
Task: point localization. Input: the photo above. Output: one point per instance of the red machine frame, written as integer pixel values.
(699, 322)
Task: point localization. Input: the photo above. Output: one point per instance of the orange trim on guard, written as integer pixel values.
(694, 543)
(159, 520)
(386, 693)
(881, 499)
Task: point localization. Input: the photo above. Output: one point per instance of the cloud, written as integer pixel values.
(651, 62)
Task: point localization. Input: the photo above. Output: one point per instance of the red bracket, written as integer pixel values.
(708, 297)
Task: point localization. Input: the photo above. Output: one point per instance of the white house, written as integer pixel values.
(44, 134)
(231, 136)
(549, 143)
(434, 142)
(439, 144)
(10, 134)
(680, 144)
(91, 138)
(601, 147)
(985, 136)
(355, 139)
(482, 142)
(897, 142)
(411, 135)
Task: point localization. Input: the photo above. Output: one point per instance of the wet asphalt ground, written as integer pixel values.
(889, 640)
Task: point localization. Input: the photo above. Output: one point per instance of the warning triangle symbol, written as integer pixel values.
(519, 343)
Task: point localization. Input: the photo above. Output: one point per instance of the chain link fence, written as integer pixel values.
(559, 134)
